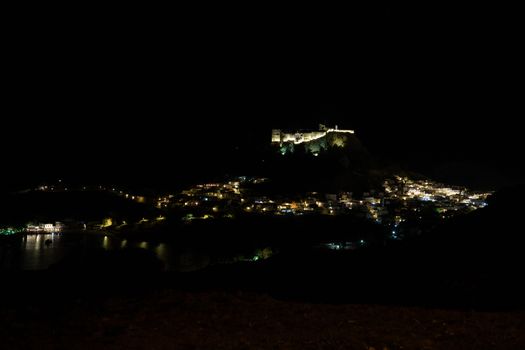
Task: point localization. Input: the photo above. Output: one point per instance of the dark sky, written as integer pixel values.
(126, 92)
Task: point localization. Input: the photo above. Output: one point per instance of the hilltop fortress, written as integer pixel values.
(304, 136)
(313, 141)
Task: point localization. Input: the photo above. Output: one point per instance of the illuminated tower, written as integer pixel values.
(276, 136)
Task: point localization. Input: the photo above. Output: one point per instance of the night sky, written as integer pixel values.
(136, 96)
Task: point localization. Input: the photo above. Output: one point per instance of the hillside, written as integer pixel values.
(169, 319)
(335, 162)
(473, 260)
(21, 208)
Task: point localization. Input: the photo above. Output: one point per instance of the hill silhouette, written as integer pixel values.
(471, 260)
(474, 261)
(342, 163)
(75, 205)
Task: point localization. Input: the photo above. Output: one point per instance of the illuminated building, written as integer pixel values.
(58, 226)
(305, 136)
(314, 140)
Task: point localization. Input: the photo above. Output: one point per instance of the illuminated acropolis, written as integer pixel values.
(279, 137)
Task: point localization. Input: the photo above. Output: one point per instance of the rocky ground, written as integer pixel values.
(172, 319)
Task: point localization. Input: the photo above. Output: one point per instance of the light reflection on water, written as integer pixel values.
(162, 251)
(38, 251)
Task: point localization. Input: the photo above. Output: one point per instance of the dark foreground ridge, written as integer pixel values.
(174, 319)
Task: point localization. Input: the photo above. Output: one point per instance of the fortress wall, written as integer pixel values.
(297, 138)
(287, 137)
(313, 135)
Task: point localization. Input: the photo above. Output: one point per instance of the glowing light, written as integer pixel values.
(107, 222)
(298, 138)
(9, 231)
